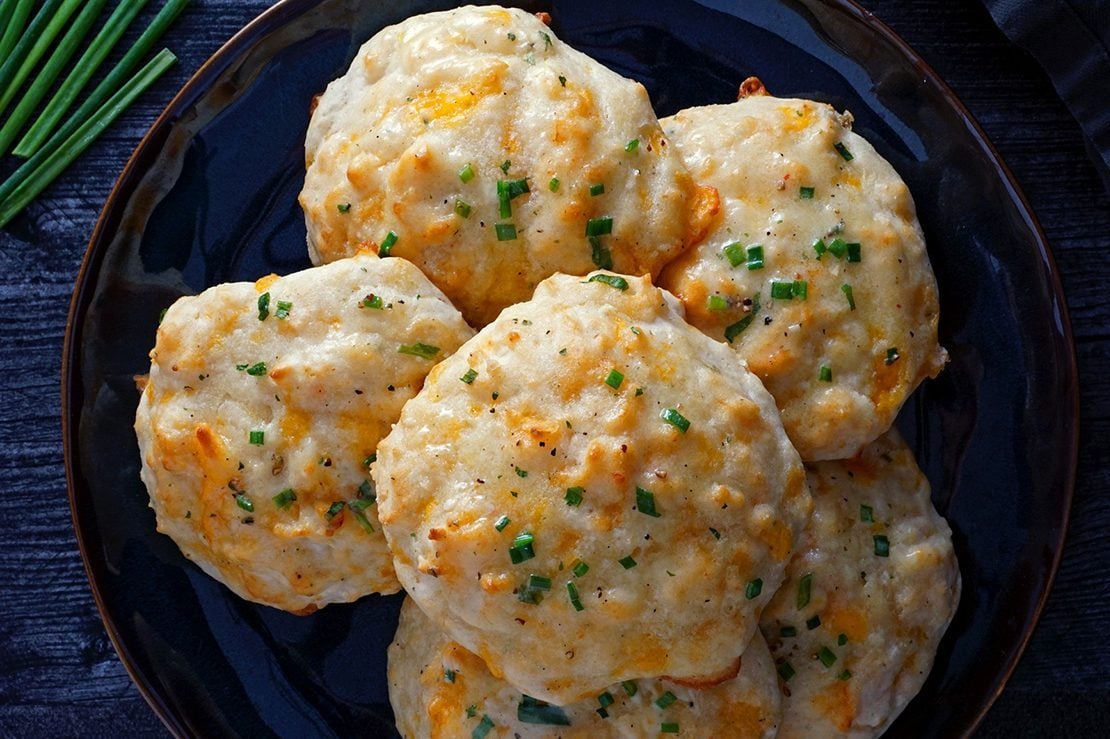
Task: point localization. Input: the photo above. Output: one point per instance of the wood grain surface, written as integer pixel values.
(59, 675)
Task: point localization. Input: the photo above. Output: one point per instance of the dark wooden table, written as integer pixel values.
(59, 675)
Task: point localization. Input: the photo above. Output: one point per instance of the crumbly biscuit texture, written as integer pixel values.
(815, 272)
(261, 414)
(600, 488)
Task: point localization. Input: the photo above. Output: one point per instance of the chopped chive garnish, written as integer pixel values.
(539, 582)
(813, 623)
(505, 165)
(580, 569)
(448, 675)
(244, 502)
(505, 231)
(801, 289)
(782, 290)
(600, 254)
(462, 208)
(370, 460)
(599, 226)
(819, 247)
(471, 711)
(666, 699)
(734, 252)
(645, 503)
(482, 728)
(285, 498)
(562, 80)
(676, 419)
(668, 727)
(632, 145)
(530, 596)
(257, 437)
(372, 301)
(516, 188)
(532, 711)
(629, 687)
(847, 290)
(366, 492)
(603, 713)
(854, 252)
(574, 496)
(716, 534)
(838, 248)
(466, 174)
(358, 508)
(572, 593)
(786, 671)
(843, 151)
(343, 207)
(892, 355)
(605, 699)
(866, 513)
(627, 562)
(504, 206)
(735, 329)
(805, 193)
(804, 586)
(553, 184)
(263, 306)
(639, 391)
(470, 375)
(825, 373)
(844, 675)
(520, 472)
(828, 659)
(755, 257)
(597, 189)
(611, 280)
(335, 509)
(283, 308)
(521, 549)
(614, 379)
(841, 639)
(256, 370)
(387, 244)
(716, 303)
(788, 631)
(501, 523)
(755, 587)
(882, 545)
(427, 351)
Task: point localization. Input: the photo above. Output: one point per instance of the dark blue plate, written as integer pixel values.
(210, 196)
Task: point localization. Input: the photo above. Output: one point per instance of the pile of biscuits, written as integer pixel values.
(610, 397)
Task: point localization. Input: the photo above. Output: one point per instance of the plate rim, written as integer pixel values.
(274, 18)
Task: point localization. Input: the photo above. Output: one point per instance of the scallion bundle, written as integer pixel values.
(53, 140)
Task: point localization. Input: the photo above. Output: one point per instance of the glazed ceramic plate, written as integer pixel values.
(210, 196)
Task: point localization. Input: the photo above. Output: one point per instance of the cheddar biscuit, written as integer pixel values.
(815, 272)
(438, 689)
(870, 592)
(261, 415)
(604, 493)
(478, 145)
